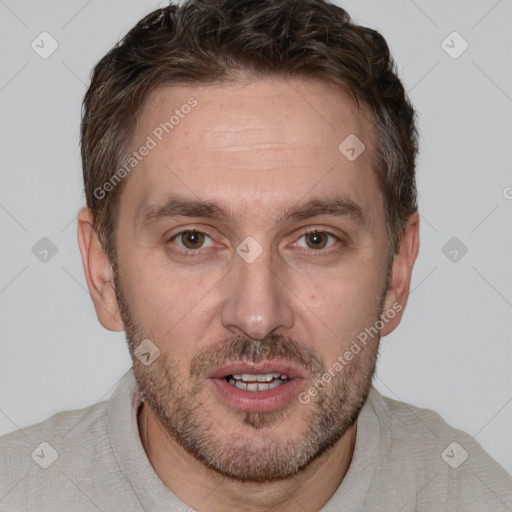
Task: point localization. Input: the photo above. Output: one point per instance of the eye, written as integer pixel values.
(191, 239)
(317, 239)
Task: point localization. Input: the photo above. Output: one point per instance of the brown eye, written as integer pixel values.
(191, 239)
(316, 239)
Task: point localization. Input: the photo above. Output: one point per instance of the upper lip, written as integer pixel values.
(264, 367)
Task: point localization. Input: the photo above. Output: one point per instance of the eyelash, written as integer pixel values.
(320, 252)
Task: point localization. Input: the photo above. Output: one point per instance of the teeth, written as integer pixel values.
(261, 377)
(255, 386)
(238, 384)
(247, 377)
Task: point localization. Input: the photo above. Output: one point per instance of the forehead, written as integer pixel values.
(259, 110)
(262, 142)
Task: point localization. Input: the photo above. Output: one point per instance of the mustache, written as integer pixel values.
(241, 348)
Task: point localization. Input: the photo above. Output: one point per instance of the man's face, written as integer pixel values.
(248, 309)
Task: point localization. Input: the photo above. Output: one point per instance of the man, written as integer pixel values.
(252, 225)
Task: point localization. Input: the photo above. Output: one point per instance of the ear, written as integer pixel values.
(400, 279)
(98, 273)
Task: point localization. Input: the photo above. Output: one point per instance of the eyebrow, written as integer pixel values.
(178, 206)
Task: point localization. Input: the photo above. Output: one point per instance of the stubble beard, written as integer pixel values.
(251, 458)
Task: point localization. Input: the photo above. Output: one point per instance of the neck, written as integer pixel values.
(206, 490)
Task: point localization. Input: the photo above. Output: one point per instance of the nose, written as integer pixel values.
(256, 298)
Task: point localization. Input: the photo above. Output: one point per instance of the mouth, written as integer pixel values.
(266, 386)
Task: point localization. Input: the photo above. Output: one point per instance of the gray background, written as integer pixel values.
(452, 352)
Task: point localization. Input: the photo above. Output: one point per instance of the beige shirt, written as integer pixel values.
(405, 459)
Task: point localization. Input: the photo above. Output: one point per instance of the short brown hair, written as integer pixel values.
(206, 41)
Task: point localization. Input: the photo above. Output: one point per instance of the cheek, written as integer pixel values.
(173, 312)
(151, 294)
(344, 308)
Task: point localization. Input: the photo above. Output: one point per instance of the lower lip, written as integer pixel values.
(268, 400)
